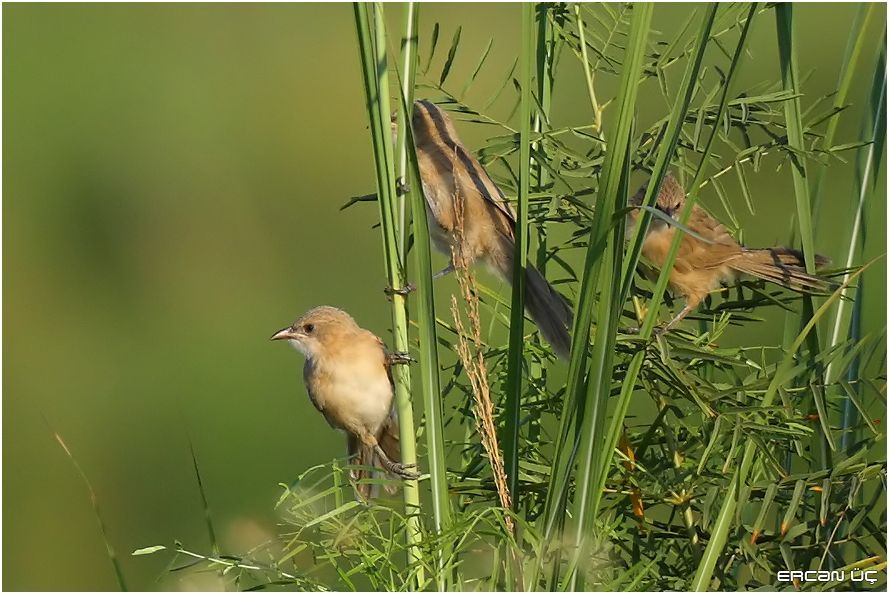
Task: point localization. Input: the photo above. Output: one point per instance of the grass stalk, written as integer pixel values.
(848, 67)
(408, 76)
(555, 511)
(513, 408)
(600, 452)
(97, 511)
(602, 265)
(426, 323)
(674, 126)
(787, 50)
(793, 116)
(587, 72)
(548, 45)
(371, 40)
(868, 165)
(866, 192)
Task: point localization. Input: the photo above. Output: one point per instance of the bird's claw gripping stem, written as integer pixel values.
(399, 358)
(403, 291)
(401, 470)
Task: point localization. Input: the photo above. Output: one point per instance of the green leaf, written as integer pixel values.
(333, 513)
(148, 550)
(433, 44)
(452, 53)
(478, 67)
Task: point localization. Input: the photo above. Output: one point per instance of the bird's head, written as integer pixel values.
(670, 199)
(316, 328)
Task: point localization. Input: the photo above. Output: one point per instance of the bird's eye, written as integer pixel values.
(309, 328)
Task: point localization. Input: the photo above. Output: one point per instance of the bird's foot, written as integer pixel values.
(401, 187)
(661, 330)
(658, 331)
(403, 291)
(399, 358)
(403, 471)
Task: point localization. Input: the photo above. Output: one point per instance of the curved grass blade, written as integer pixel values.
(866, 194)
(97, 511)
(848, 67)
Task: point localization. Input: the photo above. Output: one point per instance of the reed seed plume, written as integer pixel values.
(473, 358)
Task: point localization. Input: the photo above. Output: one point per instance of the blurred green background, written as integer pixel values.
(172, 182)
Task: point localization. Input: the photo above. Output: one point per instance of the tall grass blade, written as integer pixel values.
(513, 408)
(787, 50)
(793, 117)
(97, 511)
(602, 263)
(848, 67)
(211, 532)
(867, 194)
(566, 449)
(370, 27)
(429, 373)
(409, 59)
(635, 366)
(600, 452)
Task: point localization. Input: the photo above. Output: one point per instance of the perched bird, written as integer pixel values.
(701, 266)
(469, 214)
(347, 375)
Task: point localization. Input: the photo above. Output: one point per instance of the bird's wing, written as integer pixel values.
(709, 227)
(310, 381)
(441, 137)
(461, 173)
(719, 248)
(479, 180)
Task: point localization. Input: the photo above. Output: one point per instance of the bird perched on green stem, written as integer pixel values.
(471, 219)
(347, 375)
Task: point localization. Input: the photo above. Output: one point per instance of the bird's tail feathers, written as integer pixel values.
(783, 266)
(549, 311)
(371, 468)
(544, 304)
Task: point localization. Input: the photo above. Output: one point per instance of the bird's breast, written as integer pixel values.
(353, 393)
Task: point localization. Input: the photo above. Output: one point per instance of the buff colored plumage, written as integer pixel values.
(469, 214)
(701, 266)
(347, 377)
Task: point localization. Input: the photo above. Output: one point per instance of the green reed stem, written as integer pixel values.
(370, 27)
(513, 410)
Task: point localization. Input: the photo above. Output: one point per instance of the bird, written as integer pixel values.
(702, 265)
(470, 218)
(347, 373)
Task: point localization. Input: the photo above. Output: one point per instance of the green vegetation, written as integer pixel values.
(699, 459)
(718, 481)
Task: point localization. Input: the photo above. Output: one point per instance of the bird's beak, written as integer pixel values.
(284, 334)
